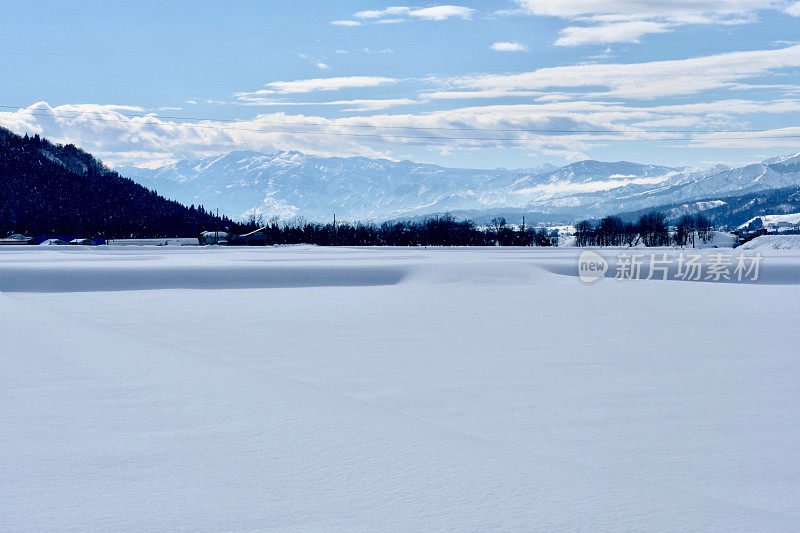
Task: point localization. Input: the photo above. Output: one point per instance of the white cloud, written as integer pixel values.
(619, 32)
(628, 20)
(149, 140)
(468, 95)
(374, 14)
(731, 107)
(372, 105)
(644, 80)
(121, 140)
(397, 14)
(606, 54)
(505, 46)
(317, 62)
(341, 52)
(794, 9)
(346, 23)
(318, 84)
(686, 11)
(360, 104)
(442, 12)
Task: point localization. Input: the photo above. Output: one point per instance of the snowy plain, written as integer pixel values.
(774, 242)
(303, 388)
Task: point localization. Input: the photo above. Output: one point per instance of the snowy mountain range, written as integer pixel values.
(288, 184)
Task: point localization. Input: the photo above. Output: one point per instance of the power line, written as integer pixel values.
(566, 133)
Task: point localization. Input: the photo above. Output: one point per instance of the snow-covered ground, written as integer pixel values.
(773, 242)
(790, 219)
(719, 239)
(307, 388)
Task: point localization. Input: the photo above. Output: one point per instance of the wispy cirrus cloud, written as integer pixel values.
(318, 84)
(472, 94)
(682, 11)
(626, 21)
(357, 104)
(372, 105)
(643, 80)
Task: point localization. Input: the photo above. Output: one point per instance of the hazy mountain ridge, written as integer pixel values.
(288, 184)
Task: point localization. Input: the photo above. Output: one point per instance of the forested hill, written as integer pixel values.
(48, 189)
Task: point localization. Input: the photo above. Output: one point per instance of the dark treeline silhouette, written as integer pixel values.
(48, 189)
(435, 231)
(651, 230)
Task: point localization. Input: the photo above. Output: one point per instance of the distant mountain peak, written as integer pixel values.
(288, 183)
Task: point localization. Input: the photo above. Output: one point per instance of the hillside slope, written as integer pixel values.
(61, 190)
(732, 210)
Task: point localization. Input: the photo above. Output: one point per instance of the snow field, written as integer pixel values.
(426, 389)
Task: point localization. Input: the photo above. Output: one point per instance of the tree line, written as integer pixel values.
(435, 231)
(651, 229)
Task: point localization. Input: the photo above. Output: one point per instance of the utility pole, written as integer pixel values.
(334, 229)
(216, 232)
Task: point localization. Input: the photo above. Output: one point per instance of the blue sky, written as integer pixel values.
(514, 83)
